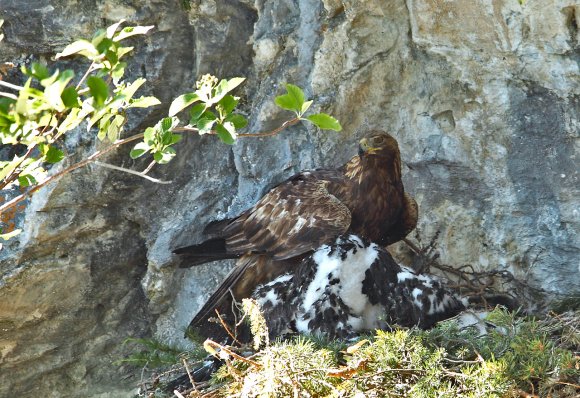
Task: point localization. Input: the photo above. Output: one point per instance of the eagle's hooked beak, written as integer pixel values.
(364, 147)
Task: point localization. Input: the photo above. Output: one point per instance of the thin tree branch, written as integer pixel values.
(187, 130)
(10, 85)
(225, 349)
(8, 95)
(136, 173)
(284, 125)
(10, 204)
(89, 70)
(84, 162)
(148, 169)
(14, 174)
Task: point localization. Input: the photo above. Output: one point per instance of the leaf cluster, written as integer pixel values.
(294, 100)
(158, 141)
(52, 103)
(212, 107)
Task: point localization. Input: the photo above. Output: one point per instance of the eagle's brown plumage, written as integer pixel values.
(365, 197)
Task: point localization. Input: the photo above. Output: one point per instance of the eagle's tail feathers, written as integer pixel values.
(216, 227)
(210, 250)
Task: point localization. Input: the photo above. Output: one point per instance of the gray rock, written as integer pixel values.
(483, 97)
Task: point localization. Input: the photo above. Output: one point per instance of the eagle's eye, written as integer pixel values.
(378, 140)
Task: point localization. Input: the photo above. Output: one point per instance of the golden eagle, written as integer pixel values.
(363, 197)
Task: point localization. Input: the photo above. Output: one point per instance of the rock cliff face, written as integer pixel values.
(483, 96)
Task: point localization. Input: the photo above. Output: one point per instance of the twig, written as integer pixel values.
(142, 382)
(185, 129)
(226, 328)
(413, 246)
(137, 173)
(8, 95)
(189, 375)
(84, 162)
(10, 85)
(148, 169)
(13, 174)
(89, 70)
(178, 394)
(568, 384)
(524, 394)
(284, 125)
(214, 345)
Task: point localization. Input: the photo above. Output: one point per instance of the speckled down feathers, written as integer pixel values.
(352, 286)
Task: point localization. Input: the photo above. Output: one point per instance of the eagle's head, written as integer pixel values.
(379, 144)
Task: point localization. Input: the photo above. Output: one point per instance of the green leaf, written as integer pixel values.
(112, 57)
(96, 115)
(205, 125)
(175, 138)
(104, 46)
(227, 104)
(149, 135)
(293, 101)
(144, 102)
(81, 47)
(196, 111)
(110, 32)
(51, 154)
(39, 71)
(132, 31)
(115, 128)
(305, 106)
(164, 156)
(237, 120)
(224, 87)
(122, 51)
(70, 97)
(72, 120)
(53, 92)
(47, 119)
(51, 79)
(226, 132)
(104, 124)
(26, 180)
(130, 90)
(99, 35)
(99, 90)
(182, 102)
(139, 150)
(8, 167)
(325, 122)
(118, 71)
(167, 123)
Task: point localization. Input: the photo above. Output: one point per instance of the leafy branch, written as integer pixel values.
(51, 104)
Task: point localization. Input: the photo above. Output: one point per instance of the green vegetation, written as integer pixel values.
(516, 356)
(35, 117)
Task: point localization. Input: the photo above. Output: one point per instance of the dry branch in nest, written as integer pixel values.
(488, 288)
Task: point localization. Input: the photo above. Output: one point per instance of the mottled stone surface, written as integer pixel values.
(483, 96)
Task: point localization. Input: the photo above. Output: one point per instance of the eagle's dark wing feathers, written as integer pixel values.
(292, 219)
